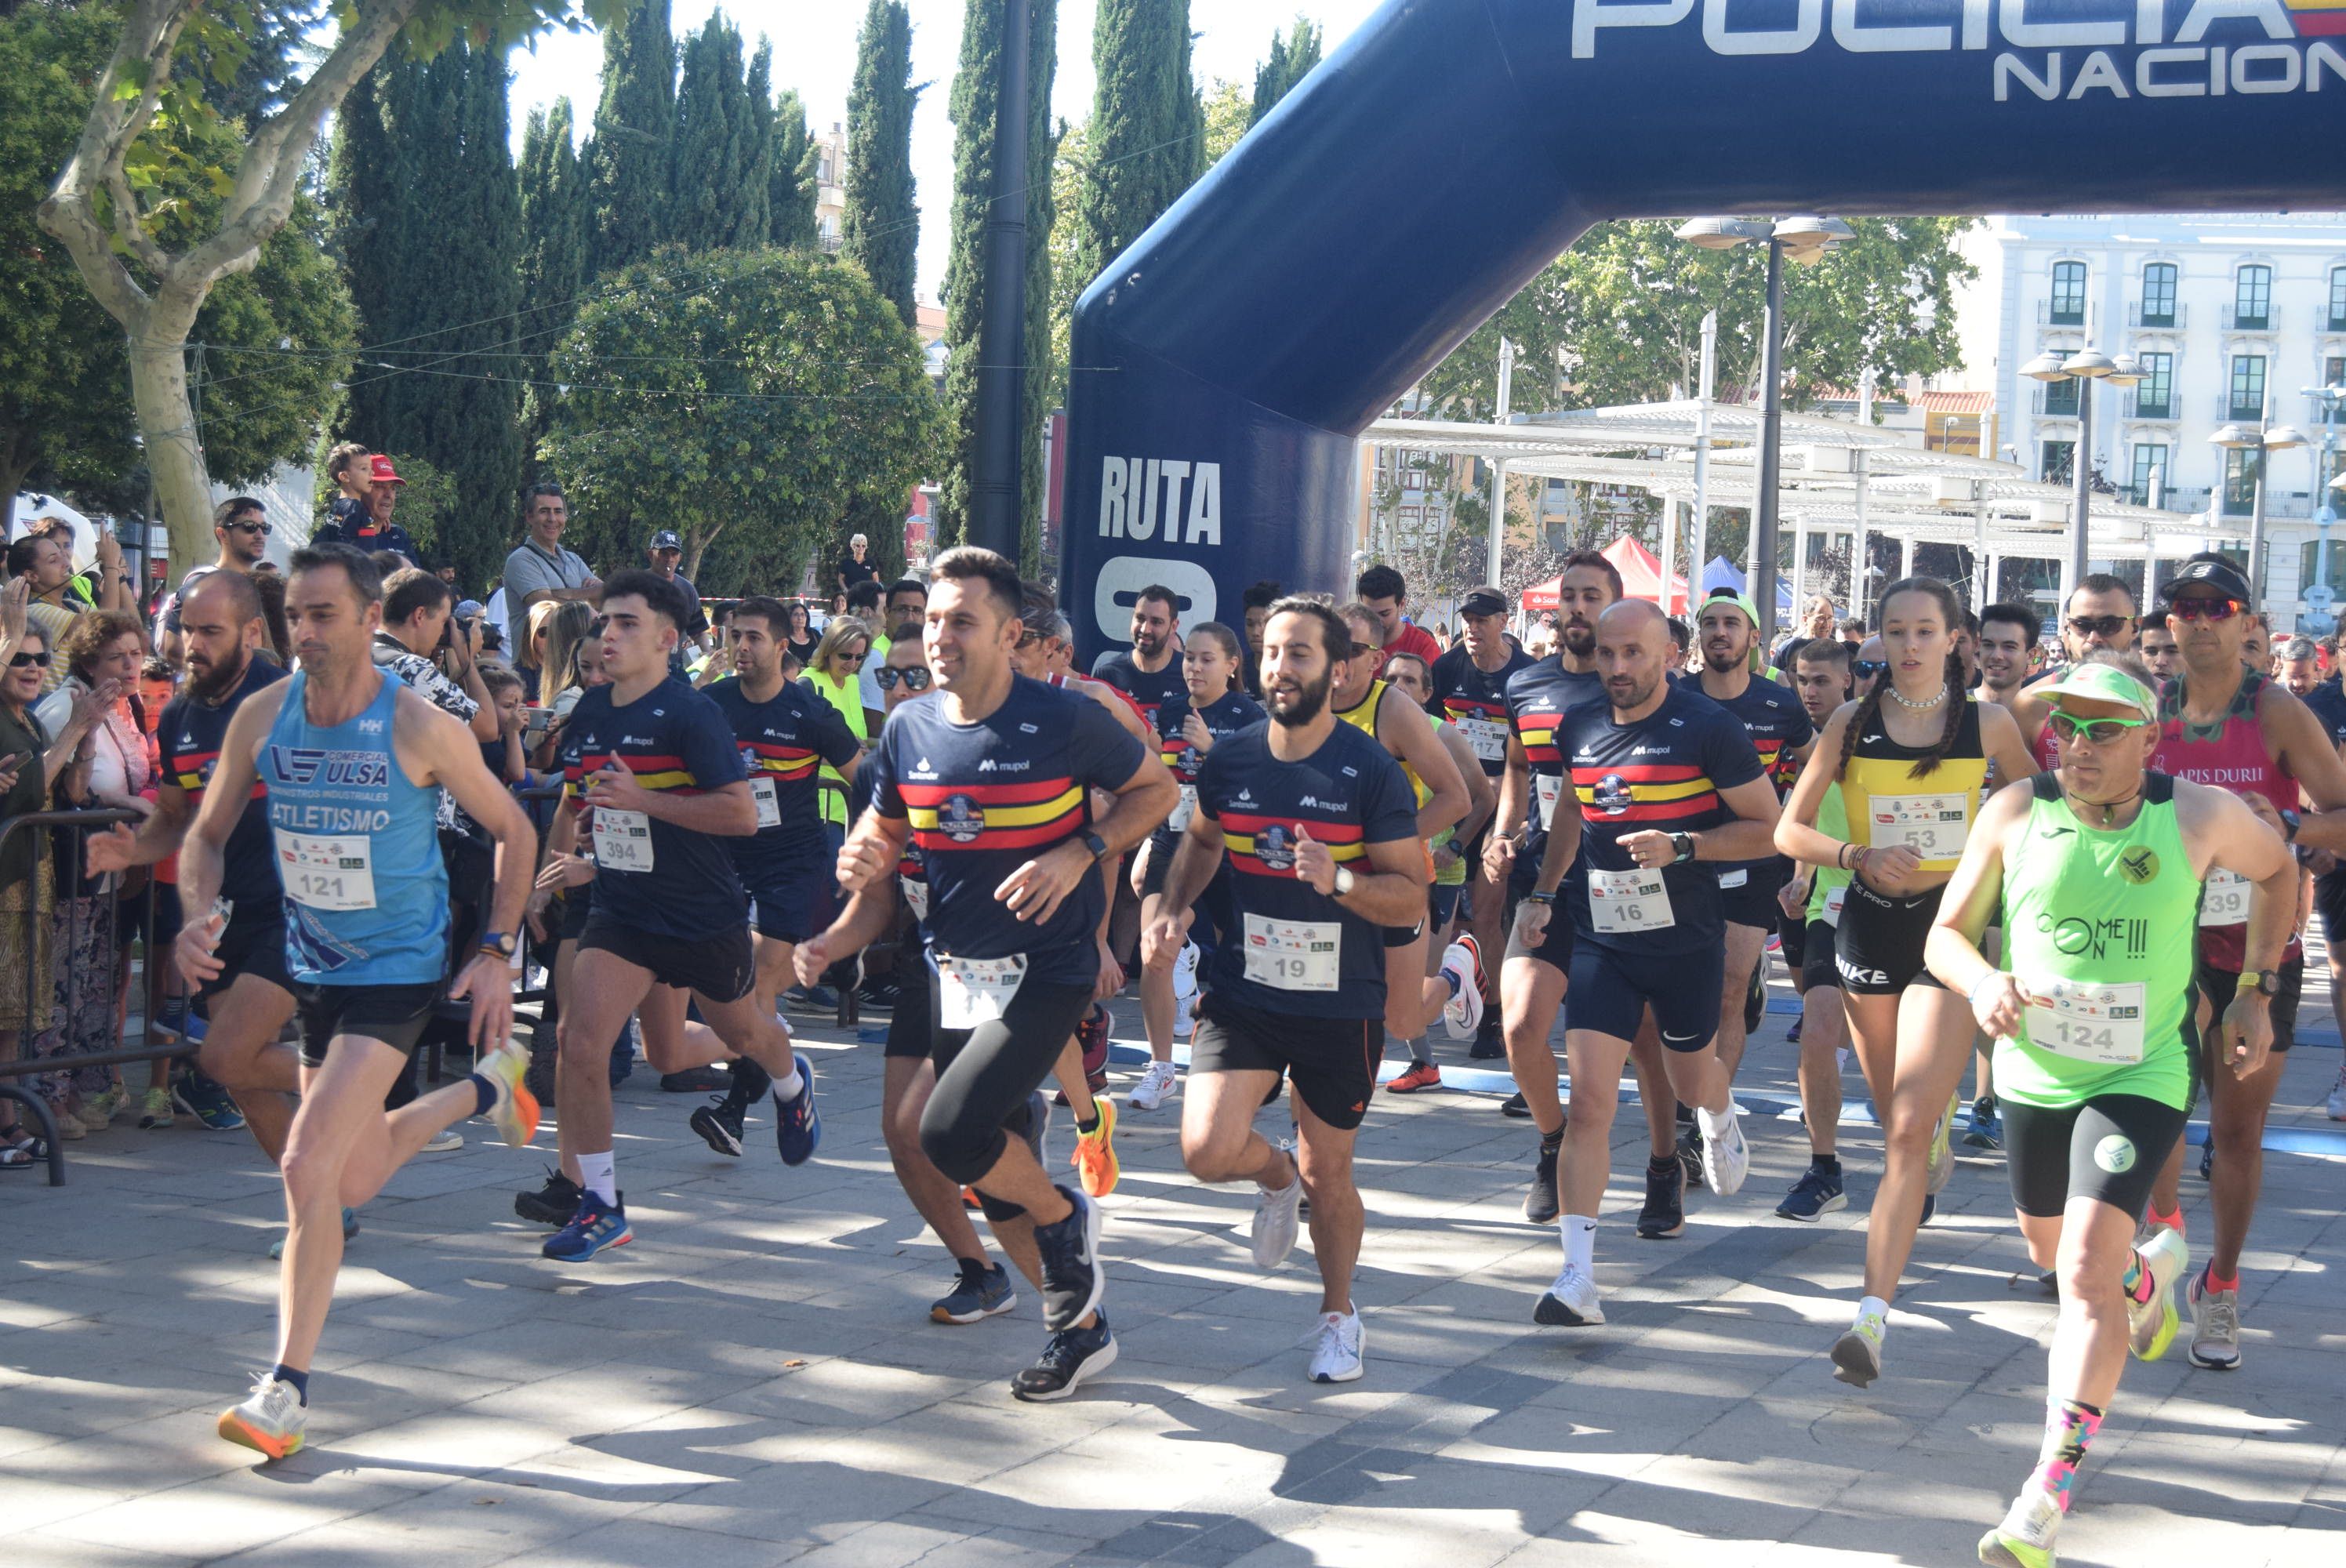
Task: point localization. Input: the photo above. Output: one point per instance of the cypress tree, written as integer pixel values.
(716, 188)
(1291, 58)
(791, 184)
(880, 230)
(627, 162)
(1148, 141)
(554, 247)
(974, 109)
(760, 109)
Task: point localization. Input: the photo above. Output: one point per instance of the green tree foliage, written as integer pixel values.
(748, 398)
(792, 171)
(1071, 170)
(1147, 137)
(718, 151)
(438, 298)
(553, 249)
(1291, 58)
(627, 161)
(975, 108)
(881, 229)
(1224, 107)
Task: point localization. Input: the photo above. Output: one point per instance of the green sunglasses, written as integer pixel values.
(2100, 731)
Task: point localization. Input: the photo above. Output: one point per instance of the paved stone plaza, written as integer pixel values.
(755, 1380)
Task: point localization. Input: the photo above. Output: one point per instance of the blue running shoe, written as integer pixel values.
(796, 1129)
(207, 1102)
(595, 1226)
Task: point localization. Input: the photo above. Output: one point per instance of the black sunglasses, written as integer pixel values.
(28, 660)
(914, 676)
(2099, 625)
(260, 528)
(1867, 668)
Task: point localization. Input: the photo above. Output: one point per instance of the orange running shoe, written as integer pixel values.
(1094, 1152)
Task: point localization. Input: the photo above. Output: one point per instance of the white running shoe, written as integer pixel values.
(1157, 1081)
(1941, 1164)
(1336, 1345)
(515, 1111)
(1570, 1302)
(1276, 1216)
(1184, 1018)
(2215, 1326)
(1856, 1354)
(1726, 1158)
(1185, 971)
(443, 1142)
(1462, 1013)
(2151, 1325)
(2337, 1096)
(271, 1419)
(2025, 1538)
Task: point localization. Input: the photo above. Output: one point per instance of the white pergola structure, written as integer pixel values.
(1839, 479)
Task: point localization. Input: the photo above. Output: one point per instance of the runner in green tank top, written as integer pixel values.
(2095, 872)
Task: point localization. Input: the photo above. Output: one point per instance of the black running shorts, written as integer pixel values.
(1880, 947)
(2109, 1148)
(395, 1015)
(1332, 1061)
(720, 967)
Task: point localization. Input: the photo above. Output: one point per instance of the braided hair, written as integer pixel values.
(1950, 610)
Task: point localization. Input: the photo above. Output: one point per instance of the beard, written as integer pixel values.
(1578, 638)
(1309, 698)
(1720, 663)
(210, 683)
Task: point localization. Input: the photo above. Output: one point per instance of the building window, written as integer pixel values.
(2053, 466)
(2154, 395)
(2248, 400)
(2060, 397)
(2239, 483)
(2068, 294)
(2149, 457)
(2309, 567)
(2337, 300)
(2159, 294)
(2252, 299)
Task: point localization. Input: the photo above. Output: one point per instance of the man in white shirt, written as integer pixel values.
(540, 569)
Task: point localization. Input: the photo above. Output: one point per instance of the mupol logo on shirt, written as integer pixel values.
(961, 819)
(1612, 796)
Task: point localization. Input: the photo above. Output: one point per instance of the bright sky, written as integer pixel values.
(814, 51)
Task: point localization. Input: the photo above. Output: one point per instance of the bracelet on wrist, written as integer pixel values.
(1970, 997)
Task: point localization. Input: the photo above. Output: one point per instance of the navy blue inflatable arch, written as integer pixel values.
(1451, 149)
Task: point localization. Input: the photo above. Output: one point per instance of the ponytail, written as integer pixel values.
(1958, 703)
(1869, 712)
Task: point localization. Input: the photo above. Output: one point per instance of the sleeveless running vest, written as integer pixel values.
(2230, 754)
(1887, 804)
(2109, 912)
(1365, 719)
(1825, 894)
(366, 892)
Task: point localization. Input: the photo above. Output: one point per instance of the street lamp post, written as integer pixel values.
(2086, 366)
(2262, 438)
(1804, 238)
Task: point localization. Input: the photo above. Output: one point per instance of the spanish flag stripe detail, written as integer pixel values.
(998, 817)
(1469, 707)
(1022, 793)
(935, 839)
(1242, 855)
(194, 775)
(1325, 833)
(666, 774)
(1642, 773)
(1643, 793)
(1663, 811)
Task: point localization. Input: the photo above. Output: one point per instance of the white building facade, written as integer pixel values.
(2230, 314)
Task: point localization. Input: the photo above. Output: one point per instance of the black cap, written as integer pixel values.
(666, 539)
(1484, 602)
(2207, 572)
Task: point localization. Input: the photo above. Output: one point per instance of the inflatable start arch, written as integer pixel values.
(1451, 149)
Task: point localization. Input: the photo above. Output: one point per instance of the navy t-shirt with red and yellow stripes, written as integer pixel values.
(675, 741)
(1476, 700)
(190, 739)
(1539, 697)
(785, 742)
(1347, 795)
(1663, 774)
(985, 798)
(1234, 712)
(1778, 726)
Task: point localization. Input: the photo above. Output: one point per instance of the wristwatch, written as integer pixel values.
(1683, 844)
(1345, 881)
(499, 942)
(2292, 820)
(2263, 981)
(1537, 897)
(1096, 845)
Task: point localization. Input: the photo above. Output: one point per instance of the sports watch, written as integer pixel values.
(501, 944)
(1345, 881)
(2263, 981)
(1096, 845)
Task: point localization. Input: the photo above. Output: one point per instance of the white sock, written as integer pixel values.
(1873, 1306)
(1579, 1242)
(787, 1089)
(599, 1175)
(1715, 1125)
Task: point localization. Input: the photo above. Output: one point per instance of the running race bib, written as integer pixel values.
(1487, 738)
(2086, 1021)
(1183, 808)
(1833, 901)
(770, 808)
(1547, 787)
(326, 873)
(1629, 901)
(916, 896)
(1933, 826)
(2225, 901)
(1292, 955)
(623, 840)
(974, 991)
(1734, 879)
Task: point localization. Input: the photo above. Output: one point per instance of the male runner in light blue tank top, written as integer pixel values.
(353, 762)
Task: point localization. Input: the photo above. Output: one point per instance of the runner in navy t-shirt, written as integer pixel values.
(658, 765)
(1319, 826)
(1470, 684)
(1662, 777)
(1149, 671)
(990, 781)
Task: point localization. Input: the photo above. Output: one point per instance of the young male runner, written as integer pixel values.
(1470, 682)
(354, 763)
(787, 733)
(990, 782)
(1662, 777)
(2096, 1037)
(2099, 616)
(658, 765)
(2007, 647)
(1150, 672)
(1319, 828)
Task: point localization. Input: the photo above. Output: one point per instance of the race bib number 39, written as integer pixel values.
(2225, 899)
(1294, 956)
(623, 840)
(326, 873)
(1933, 826)
(1629, 901)
(974, 991)
(2086, 1021)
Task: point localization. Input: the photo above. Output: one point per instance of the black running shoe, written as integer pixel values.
(696, 1081)
(1664, 1215)
(750, 1081)
(878, 995)
(1817, 1193)
(719, 1123)
(1068, 1357)
(1540, 1204)
(552, 1203)
(1690, 1151)
(1490, 1043)
(1514, 1105)
(1092, 1034)
(1073, 1279)
(1754, 1000)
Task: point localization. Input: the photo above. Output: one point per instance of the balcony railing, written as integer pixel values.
(2165, 316)
(2056, 400)
(2140, 407)
(2240, 405)
(2253, 319)
(2060, 313)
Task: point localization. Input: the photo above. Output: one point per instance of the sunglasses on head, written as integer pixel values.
(2099, 625)
(1867, 668)
(914, 676)
(2198, 609)
(2100, 731)
(28, 660)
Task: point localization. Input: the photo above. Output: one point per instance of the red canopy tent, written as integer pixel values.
(1641, 578)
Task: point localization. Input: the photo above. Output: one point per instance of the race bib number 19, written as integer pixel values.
(1294, 956)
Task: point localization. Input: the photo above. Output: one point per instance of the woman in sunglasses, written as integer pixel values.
(2096, 872)
(1912, 760)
